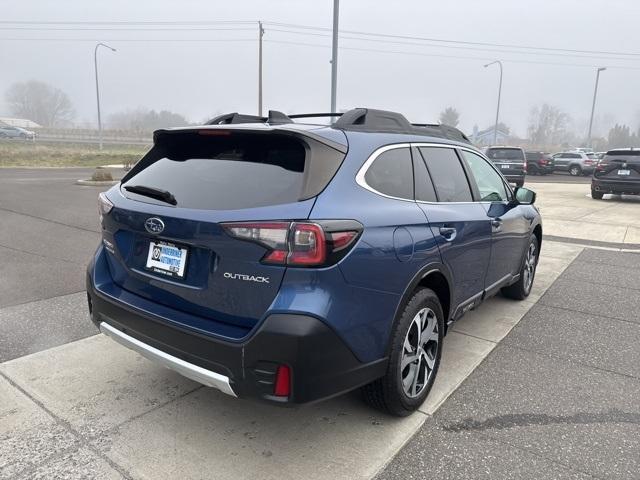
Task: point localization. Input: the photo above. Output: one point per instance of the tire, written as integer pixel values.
(575, 170)
(522, 288)
(596, 195)
(395, 393)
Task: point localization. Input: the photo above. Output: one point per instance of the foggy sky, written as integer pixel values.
(199, 79)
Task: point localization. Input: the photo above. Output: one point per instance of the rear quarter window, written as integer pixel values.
(391, 173)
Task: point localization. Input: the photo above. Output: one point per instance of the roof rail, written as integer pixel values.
(357, 119)
(370, 120)
(275, 117)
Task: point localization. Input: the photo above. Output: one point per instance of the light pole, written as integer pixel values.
(593, 105)
(495, 128)
(95, 63)
(260, 35)
(334, 55)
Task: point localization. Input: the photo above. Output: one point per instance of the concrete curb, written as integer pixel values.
(97, 183)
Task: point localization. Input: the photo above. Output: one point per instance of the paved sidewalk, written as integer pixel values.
(559, 397)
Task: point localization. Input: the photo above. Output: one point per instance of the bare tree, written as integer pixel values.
(548, 125)
(40, 102)
(450, 116)
(145, 120)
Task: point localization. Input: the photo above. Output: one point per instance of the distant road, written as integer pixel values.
(93, 140)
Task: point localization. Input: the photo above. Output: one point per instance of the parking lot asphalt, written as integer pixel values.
(49, 231)
(81, 406)
(557, 398)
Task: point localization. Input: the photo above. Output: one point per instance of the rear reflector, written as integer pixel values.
(282, 387)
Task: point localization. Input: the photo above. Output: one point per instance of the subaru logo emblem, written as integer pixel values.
(154, 225)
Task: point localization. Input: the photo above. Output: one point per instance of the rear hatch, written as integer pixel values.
(619, 165)
(169, 224)
(509, 160)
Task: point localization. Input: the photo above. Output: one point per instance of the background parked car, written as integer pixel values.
(7, 131)
(511, 162)
(539, 163)
(617, 172)
(576, 163)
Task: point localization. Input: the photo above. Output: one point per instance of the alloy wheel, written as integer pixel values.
(419, 352)
(529, 267)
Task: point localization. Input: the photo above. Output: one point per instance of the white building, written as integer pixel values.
(18, 122)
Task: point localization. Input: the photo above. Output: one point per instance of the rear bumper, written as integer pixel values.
(535, 167)
(321, 364)
(615, 186)
(514, 177)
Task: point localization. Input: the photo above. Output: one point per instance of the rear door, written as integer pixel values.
(460, 225)
(181, 255)
(509, 227)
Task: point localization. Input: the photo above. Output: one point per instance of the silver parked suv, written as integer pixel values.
(575, 162)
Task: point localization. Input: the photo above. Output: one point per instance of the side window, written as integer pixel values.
(392, 173)
(489, 182)
(424, 185)
(447, 174)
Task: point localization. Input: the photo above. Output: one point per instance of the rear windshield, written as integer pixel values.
(623, 153)
(234, 171)
(505, 154)
(592, 156)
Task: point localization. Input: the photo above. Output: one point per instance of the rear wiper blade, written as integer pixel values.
(151, 192)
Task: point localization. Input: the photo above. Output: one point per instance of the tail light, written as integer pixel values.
(104, 205)
(304, 244)
(601, 166)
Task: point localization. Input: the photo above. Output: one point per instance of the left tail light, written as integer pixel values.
(104, 205)
(302, 244)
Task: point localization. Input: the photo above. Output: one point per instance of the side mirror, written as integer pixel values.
(524, 196)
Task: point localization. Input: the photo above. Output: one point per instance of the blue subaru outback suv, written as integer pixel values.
(293, 262)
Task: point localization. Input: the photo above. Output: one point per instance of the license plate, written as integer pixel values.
(167, 259)
(624, 172)
(505, 166)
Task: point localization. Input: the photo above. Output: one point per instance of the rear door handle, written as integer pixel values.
(449, 233)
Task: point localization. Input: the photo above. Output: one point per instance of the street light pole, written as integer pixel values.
(495, 128)
(260, 35)
(334, 55)
(95, 63)
(593, 105)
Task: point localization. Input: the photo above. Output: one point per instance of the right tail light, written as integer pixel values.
(301, 244)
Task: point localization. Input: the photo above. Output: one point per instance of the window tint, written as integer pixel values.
(505, 154)
(424, 185)
(447, 173)
(392, 173)
(489, 183)
(218, 173)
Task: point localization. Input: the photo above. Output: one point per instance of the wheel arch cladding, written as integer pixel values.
(437, 282)
(537, 231)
